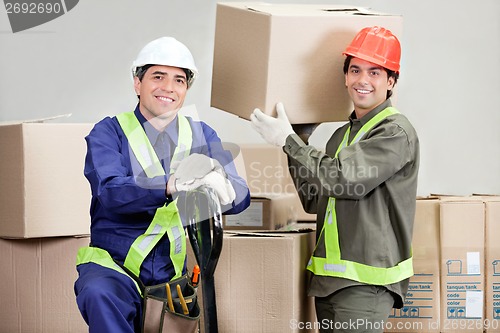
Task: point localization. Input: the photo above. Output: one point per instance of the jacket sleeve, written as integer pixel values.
(358, 168)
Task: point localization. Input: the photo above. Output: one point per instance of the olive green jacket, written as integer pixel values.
(374, 182)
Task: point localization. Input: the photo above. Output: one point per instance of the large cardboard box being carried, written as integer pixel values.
(462, 264)
(421, 309)
(37, 285)
(266, 53)
(41, 176)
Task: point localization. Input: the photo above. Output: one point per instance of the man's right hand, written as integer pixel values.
(194, 167)
(214, 179)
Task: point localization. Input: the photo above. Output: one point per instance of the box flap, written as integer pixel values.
(446, 195)
(460, 199)
(307, 9)
(487, 197)
(430, 197)
(249, 234)
(284, 232)
(40, 120)
(267, 233)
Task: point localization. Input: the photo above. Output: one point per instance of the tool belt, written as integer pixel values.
(177, 313)
(170, 307)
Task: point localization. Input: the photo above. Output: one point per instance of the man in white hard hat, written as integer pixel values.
(135, 162)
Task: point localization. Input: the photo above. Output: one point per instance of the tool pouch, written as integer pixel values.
(157, 317)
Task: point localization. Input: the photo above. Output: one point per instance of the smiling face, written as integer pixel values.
(162, 91)
(367, 84)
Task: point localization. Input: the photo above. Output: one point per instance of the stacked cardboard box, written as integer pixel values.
(275, 202)
(261, 283)
(37, 285)
(269, 212)
(266, 169)
(41, 175)
(462, 264)
(465, 290)
(421, 309)
(45, 195)
(492, 263)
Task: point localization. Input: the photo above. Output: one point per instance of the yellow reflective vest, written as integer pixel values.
(333, 264)
(166, 219)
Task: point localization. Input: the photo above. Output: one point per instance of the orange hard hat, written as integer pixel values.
(377, 45)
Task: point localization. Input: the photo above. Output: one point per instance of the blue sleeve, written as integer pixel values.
(216, 150)
(109, 171)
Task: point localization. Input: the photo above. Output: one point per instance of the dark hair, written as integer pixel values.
(141, 71)
(390, 73)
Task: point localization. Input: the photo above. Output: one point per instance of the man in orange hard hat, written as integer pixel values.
(362, 188)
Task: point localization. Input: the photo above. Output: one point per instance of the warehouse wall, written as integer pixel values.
(449, 87)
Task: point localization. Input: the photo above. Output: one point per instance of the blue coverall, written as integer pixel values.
(123, 204)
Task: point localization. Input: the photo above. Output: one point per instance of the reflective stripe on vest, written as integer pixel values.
(166, 219)
(144, 151)
(101, 257)
(333, 265)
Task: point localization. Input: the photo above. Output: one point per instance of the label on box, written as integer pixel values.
(473, 304)
(473, 264)
(493, 305)
(420, 299)
(464, 293)
(462, 300)
(250, 217)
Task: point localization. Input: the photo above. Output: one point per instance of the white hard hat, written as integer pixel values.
(166, 51)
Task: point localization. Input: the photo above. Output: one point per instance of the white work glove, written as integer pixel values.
(215, 180)
(197, 170)
(193, 167)
(273, 130)
(222, 187)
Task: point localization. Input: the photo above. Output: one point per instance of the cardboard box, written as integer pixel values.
(266, 212)
(261, 283)
(492, 254)
(37, 285)
(267, 176)
(292, 53)
(41, 175)
(266, 168)
(421, 309)
(462, 264)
